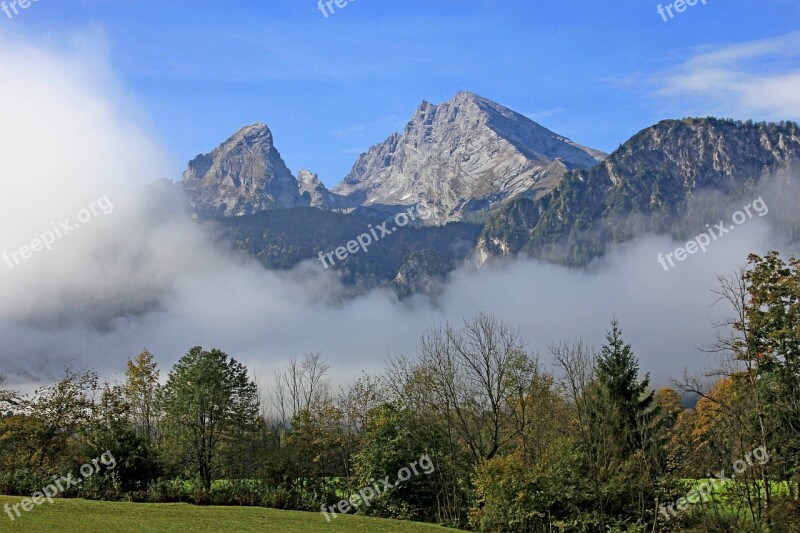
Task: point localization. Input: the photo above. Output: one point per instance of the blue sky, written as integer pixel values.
(594, 71)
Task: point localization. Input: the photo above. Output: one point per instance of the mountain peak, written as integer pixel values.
(467, 95)
(458, 102)
(463, 155)
(256, 131)
(243, 175)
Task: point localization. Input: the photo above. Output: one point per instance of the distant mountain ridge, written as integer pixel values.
(466, 155)
(499, 185)
(645, 186)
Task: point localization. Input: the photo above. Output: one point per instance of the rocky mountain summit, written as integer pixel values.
(498, 184)
(466, 155)
(242, 176)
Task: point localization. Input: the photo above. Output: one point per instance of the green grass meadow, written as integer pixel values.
(82, 516)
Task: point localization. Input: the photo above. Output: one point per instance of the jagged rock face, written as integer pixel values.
(705, 153)
(646, 186)
(244, 175)
(315, 193)
(465, 155)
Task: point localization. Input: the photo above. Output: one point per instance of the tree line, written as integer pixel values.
(583, 444)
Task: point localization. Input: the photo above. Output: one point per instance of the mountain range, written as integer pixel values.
(496, 184)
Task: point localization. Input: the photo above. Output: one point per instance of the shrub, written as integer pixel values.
(508, 498)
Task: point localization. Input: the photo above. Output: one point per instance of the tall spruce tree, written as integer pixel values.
(618, 373)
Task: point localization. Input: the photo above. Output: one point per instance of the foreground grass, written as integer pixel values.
(103, 517)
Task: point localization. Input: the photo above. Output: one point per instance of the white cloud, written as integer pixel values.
(756, 79)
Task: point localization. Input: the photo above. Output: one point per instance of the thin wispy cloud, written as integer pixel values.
(545, 114)
(755, 79)
(353, 151)
(344, 133)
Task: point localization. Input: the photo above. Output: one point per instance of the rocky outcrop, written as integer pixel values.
(650, 185)
(315, 194)
(244, 175)
(463, 156)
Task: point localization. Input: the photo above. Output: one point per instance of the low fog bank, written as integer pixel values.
(143, 274)
(263, 318)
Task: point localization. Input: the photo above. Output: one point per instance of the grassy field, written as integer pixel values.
(81, 516)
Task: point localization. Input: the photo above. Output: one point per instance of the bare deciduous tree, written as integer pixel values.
(475, 377)
(302, 385)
